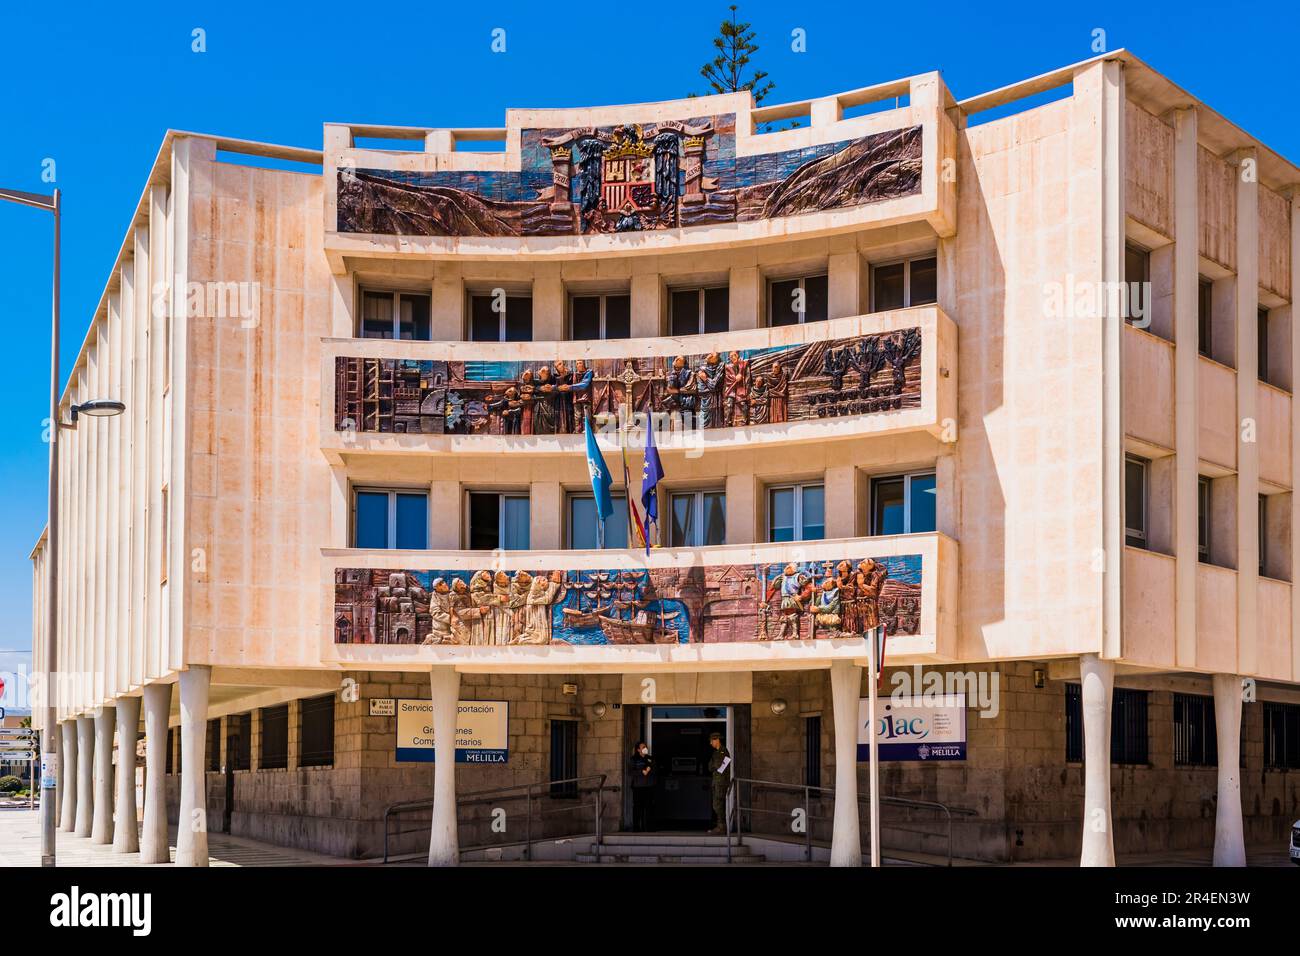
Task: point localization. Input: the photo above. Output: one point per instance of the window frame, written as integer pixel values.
(802, 281)
(567, 762)
(1199, 743)
(501, 515)
(1204, 492)
(396, 297)
(572, 496)
(313, 707)
(812, 758)
(906, 262)
(1261, 344)
(1280, 752)
(263, 755)
(1262, 533)
(701, 302)
(212, 746)
(697, 512)
(1138, 537)
(907, 477)
(797, 517)
(1144, 255)
(392, 491)
(239, 758)
(604, 298)
(1205, 316)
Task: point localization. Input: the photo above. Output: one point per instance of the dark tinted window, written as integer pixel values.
(274, 753)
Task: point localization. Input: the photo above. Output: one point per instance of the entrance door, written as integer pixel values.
(679, 741)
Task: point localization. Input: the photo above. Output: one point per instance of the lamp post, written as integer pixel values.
(49, 737)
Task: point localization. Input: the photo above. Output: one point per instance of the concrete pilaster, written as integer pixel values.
(843, 276)
(1247, 306)
(101, 824)
(1186, 370)
(126, 831)
(846, 837)
(85, 776)
(1098, 680)
(154, 847)
(647, 306)
(192, 826)
(444, 841)
(68, 754)
(1229, 841)
(745, 298)
(1295, 428)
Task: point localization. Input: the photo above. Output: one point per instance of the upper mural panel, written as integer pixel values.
(631, 178)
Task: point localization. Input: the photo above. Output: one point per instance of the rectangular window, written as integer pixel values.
(796, 513)
(1135, 501)
(1128, 725)
(1281, 736)
(394, 315)
(699, 311)
(1137, 272)
(388, 518)
(1262, 343)
(794, 301)
(497, 317)
(1196, 742)
(173, 762)
(239, 741)
(583, 521)
(600, 316)
(498, 521)
(213, 745)
(899, 285)
(698, 519)
(1203, 518)
(1204, 316)
(812, 751)
(1263, 532)
(904, 504)
(317, 732)
(564, 758)
(274, 752)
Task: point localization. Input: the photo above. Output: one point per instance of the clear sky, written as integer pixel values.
(95, 89)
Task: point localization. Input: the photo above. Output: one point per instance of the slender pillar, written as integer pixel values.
(126, 831)
(101, 823)
(85, 775)
(444, 843)
(1229, 840)
(153, 838)
(1098, 679)
(68, 753)
(1186, 371)
(846, 837)
(192, 826)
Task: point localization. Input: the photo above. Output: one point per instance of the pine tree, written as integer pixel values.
(725, 72)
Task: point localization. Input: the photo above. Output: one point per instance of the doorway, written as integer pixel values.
(679, 741)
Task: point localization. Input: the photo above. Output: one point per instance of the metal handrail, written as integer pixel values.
(524, 791)
(807, 792)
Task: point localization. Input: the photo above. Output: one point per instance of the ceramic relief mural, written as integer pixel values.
(631, 178)
(864, 375)
(703, 604)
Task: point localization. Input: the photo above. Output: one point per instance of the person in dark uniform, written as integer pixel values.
(641, 767)
(720, 780)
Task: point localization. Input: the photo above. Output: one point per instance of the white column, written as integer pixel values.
(85, 775)
(1098, 679)
(1247, 352)
(444, 843)
(846, 839)
(101, 823)
(68, 755)
(1229, 841)
(153, 839)
(126, 831)
(192, 825)
(1186, 370)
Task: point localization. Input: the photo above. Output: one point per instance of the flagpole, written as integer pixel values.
(873, 738)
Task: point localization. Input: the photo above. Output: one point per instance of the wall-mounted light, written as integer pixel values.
(1040, 678)
(569, 690)
(599, 708)
(98, 408)
(778, 706)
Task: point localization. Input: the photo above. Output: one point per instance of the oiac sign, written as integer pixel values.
(915, 728)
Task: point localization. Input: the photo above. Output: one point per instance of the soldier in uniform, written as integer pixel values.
(720, 781)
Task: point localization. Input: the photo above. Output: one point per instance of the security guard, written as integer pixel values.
(720, 778)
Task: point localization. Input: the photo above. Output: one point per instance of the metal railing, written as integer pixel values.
(754, 785)
(533, 795)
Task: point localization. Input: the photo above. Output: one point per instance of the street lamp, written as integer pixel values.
(98, 408)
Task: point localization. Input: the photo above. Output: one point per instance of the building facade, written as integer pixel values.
(1015, 392)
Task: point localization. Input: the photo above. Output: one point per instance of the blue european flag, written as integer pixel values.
(599, 481)
(652, 472)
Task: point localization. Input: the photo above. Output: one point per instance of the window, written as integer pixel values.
(1203, 518)
(1196, 741)
(317, 732)
(583, 521)
(214, 745)
(496, 317)
(792, 301)
(1137, 273)
(498, 521)
(564, 757)
(796, 513)
(600, 316)
(698, 519)
(1281, 736)
(812, 751)
(274, 754)
(394, 315)
(387, 518)
(1204, 316)
(898, 285)
(239, 742)
(698, 311)
(1135, 501)
(1128, 725)
(903, 504)
(1263, 533)
(173, 762)
(1261, 337)
(166, 533)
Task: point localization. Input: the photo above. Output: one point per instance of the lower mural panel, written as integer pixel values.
(710, 604)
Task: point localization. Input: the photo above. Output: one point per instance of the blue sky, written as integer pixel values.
(94, 90)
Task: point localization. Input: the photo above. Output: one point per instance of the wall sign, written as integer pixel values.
(382, 707)
(481, 731)
(915, 728)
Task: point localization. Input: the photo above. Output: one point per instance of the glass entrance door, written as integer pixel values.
(679, 742)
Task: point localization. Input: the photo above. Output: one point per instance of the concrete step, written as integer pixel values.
(664, 849)
(669, 839)
(681, 855)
